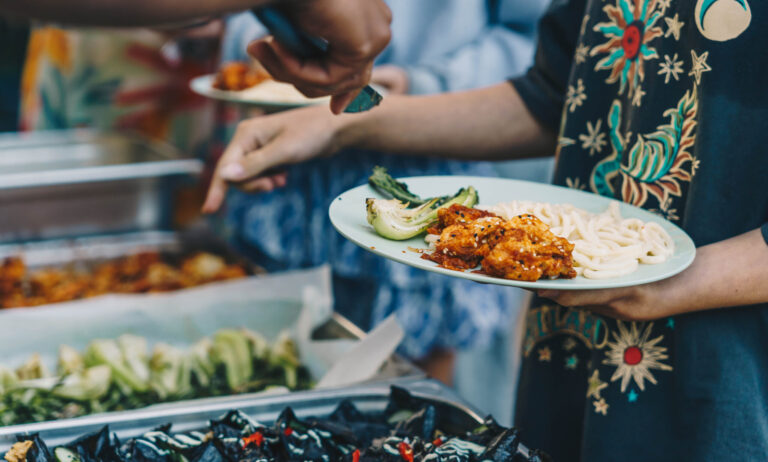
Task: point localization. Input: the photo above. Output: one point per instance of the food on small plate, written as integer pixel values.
(114, 375)
(398, 220)
(408, 430)
(138, 273)
(237, 76)
(522, 248)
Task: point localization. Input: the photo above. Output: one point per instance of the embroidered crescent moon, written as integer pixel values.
(722, 20)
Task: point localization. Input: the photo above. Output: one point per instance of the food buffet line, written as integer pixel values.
(123, 338)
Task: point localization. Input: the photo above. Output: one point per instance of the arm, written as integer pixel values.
(356, 32)
(489, 123)
(123, 12)
(729, 273)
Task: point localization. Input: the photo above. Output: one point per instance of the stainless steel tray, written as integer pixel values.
(194, 415)
(48, 158)
(76, 182)
(88, 250)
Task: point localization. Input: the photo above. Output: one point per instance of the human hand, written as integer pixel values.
(356, 31)
(393, 78)
(262, 145)
(638, 303)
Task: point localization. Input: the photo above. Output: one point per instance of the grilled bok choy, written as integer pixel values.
(393, 219)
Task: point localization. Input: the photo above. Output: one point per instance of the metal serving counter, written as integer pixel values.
(75, 182)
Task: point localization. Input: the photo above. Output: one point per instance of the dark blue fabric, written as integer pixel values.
(764, 229)
(686, 140)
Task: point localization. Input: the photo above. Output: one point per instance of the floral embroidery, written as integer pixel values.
(635, 355)
(594, 139)
(656, 163)
(575, 96)
(631, 28)
(671, 68)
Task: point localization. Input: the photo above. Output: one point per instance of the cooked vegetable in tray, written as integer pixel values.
(410, 429)
(138, 273)
(113, 375)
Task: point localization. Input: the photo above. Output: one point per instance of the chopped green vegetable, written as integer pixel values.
(393, 220)
(8, 379)
(389, 187)
(135, 353)
(231, 348)
(201, 364)
(169, 372)
(70, 361)
(89, 384)
(107, 352)
(33, 369)
(114, 375)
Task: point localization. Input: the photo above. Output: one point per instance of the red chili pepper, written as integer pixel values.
(256, 438)
(438, 441)
(288, 431)
(406, 451)
(356, 456)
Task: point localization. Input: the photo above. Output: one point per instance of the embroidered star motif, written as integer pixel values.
(673, 27)
(545, 354)
(575, 183)
(671, 323)
(581, 53)
(663, 5)
(637, 99)
(575, 96)
(569, 343)
(571, 362)
(671, 68)
(594, 139)
(601, 407)
(699, 65)
(632, 396)
(595, 386)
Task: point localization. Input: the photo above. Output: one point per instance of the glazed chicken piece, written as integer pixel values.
(529, 251)
(522, 248)
(464, 245)
(237, 76)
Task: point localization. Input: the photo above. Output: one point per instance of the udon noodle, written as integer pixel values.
(606, 244)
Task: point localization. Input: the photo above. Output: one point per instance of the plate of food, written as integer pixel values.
(243, 83)
(511, 232)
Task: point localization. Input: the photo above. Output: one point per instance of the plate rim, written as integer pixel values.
(557, 284)
(201, 85)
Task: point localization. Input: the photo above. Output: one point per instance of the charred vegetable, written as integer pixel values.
(394, 220)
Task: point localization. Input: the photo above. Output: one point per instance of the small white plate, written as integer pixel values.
(267, 95)
(348, 215)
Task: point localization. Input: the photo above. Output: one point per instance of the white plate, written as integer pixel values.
(347, 213)
(269, 94)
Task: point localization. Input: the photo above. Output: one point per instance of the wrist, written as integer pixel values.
(348, 130)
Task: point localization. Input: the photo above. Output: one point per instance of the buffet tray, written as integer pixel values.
(83, 252)
(453, 413)
(56, 157)
(67, 183)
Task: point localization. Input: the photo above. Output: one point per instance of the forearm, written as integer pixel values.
(485, 124)
(123, 12)
(733, 272)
